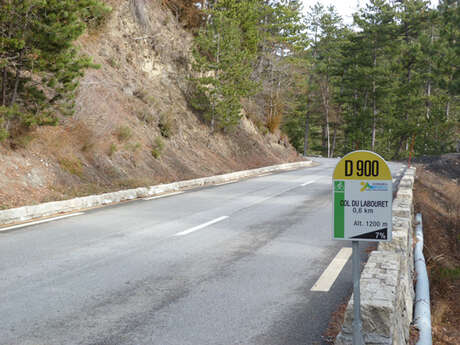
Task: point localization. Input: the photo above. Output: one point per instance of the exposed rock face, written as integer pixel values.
(132, 126)
(387, 291)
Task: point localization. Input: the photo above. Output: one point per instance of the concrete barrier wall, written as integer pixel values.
(387, 291)
(52, 208)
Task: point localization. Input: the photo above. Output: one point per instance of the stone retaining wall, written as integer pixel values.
(21, 214)
(387, 291)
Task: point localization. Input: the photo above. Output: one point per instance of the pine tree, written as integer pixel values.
(223, 55)
(282, 34)
(39, 65)
(326, 29)
(367, 80)
(413, 15)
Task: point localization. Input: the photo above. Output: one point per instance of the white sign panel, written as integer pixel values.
(362, 194)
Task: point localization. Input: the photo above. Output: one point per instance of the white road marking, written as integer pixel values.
(332, 271)
(40, 221)
(199, 227)
(307, 183)
(162, 196)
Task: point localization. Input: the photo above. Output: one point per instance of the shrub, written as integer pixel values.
(22, 141)
(113, 62)
(158, 146)
(3, 131)
(3, 134)
(275, 116)
(141, 94)
(145, 116)
(132, 147)
(124, 133)
(87, 146)
(274, 122)
(71, 165)
(166, 125)
(112, 149)
(96, 14)
(40, 62)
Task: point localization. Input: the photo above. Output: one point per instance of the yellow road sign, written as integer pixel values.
(362, 194)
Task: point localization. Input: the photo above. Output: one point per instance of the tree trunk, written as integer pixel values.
(16, 85)
(448, 99)
(4, 82)
(213, 117)
(328, 134)
(374, 105)
(18, 75)
(325, 97)
(323, 139)
(447, 110)
(306, 134)
(334, 135)
(428, 86)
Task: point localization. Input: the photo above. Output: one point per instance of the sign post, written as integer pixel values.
(362, 198)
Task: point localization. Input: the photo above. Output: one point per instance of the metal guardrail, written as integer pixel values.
(422, 313)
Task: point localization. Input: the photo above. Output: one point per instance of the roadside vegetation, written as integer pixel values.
(437, 198)
(388, 83)
(39, 64)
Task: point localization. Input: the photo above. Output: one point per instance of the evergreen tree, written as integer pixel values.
(367, 77)
(39, 65)
(282, 35)
(327, 33)
(223, 56)
(413, 16)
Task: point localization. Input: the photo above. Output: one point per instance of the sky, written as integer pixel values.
(345, 8)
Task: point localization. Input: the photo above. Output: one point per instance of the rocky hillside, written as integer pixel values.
(132, 124)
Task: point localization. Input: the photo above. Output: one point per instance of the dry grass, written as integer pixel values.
(124, 133)
(112, 149)
(413, 335)
(22, 141)
(274, 122)
(438, 199)
(275, 116)
(167, 124)
(71, 165)
(85, 189)
(186, 11)
(134, 95)
(335, 324)
(83, 135)
(157, 147)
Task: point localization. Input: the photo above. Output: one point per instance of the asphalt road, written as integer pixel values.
(229, 264)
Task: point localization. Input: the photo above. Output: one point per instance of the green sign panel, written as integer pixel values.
(362, 194)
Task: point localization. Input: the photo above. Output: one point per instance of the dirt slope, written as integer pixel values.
(437, 197)
(132, 124)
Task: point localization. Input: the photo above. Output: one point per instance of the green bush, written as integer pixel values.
(133, 147)
(166, 125)
(145, 116)
(112, 149)
(41, 64)
(124, 133)
(157, 147)
(71, 165)
(23, 141)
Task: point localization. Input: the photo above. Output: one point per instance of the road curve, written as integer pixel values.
(222, 265)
